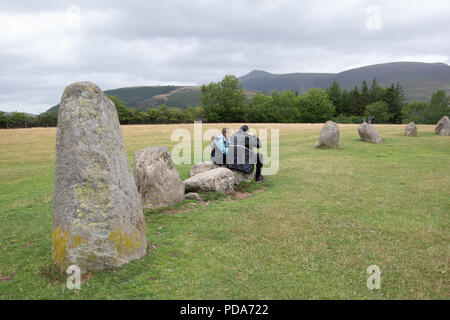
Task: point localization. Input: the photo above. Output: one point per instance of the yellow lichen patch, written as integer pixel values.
(76, 240)
(124, 243)
(93, 196)
(60, 239)
(61, 242)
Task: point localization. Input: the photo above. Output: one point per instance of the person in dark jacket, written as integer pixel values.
(240, 155)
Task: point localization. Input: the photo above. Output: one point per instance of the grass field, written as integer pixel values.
(323, 219)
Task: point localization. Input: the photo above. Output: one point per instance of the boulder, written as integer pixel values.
(368, 133)
(329, 136)
(219, 179)
(98, 221)
(411, 129)
(238, 176)
(157, 181)
(443, 127)
(202, 167)
(192, 196)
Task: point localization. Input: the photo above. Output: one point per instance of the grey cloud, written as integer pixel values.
(194, 42)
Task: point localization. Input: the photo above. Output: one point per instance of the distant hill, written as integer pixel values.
(132, 96)
(419, 79)
(152, 97)
(181, 97)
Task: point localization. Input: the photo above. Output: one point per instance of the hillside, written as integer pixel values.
(153, 97)
(181, 97)
(140, 97)
(420, 80)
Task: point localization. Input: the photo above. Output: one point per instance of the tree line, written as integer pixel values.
(227, 101)
(25, 120)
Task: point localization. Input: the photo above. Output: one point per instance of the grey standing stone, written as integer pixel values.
(219, 179)
(97, 213)
(329, 136)
(443, 127)
(411, 129)
(157, 181)
(368, 133)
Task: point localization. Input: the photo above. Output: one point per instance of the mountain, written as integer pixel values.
(154, 96)
(418, 79)
(181, 97)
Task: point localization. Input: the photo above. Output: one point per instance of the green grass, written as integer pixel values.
(320, 222)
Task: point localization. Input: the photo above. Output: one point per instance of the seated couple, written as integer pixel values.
(236, 152)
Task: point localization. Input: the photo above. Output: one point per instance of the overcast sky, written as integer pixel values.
(46, 45)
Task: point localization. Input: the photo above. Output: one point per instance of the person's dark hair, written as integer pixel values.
(224, 131)
(244, 128)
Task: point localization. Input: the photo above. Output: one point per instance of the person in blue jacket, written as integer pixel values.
(220, 146)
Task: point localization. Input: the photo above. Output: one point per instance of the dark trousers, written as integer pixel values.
(259, 164)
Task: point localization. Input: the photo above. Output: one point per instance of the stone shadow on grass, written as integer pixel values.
(243, 190)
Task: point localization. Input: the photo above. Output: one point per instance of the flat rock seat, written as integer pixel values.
(218, 179)
(238, 176)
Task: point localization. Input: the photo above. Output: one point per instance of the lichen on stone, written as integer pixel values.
(123, 243)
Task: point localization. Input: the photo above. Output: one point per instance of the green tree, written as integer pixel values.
(334, 93)
(224, 101)
(376, 92)
(440, 106)
(3, 119)
(395, 98)
(193, 113)
(285, 106)
(137, 117)
(125, 114)
(261, 109)
(19, 120)
(175, 115)
(427, 113)
(151, 116)
(314, 106)
(399, 101)
(356, 106)
(416, 111)
(346, 103)
(380, 110)
(365, 95)
(163, 114)
(47, 119)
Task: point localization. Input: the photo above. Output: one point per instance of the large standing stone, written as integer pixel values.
(411, 129)
(157, 181)
(368, 133)
(219, 179)
(97, 213)
(329, 136)
(443, 127)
